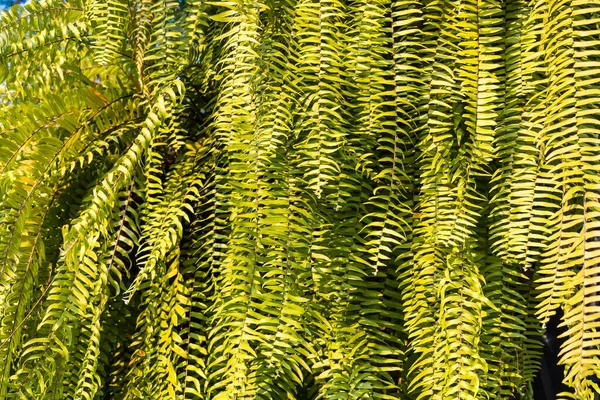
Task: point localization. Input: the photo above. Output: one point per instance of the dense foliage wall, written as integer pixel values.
(297, 199)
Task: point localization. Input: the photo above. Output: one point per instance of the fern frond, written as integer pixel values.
(232, 330)
(108, 22)
(456, 152)
(319, 68)
(572, 139)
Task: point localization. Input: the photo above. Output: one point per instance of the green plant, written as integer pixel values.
(311, 199)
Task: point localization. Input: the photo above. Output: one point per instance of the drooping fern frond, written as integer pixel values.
(109, 23)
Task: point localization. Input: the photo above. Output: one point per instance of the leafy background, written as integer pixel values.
(297, 199)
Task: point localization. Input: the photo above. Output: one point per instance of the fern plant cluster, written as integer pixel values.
(298, 199)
